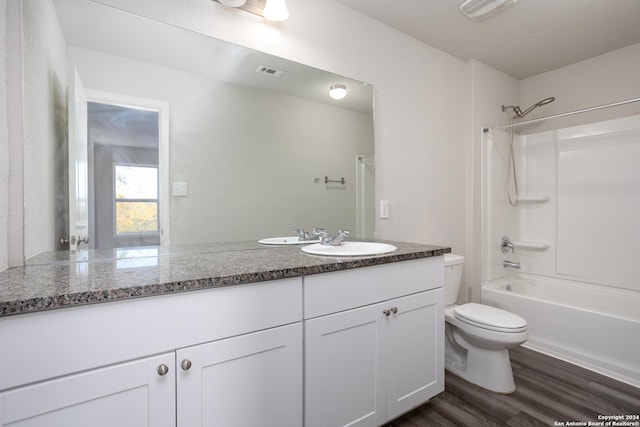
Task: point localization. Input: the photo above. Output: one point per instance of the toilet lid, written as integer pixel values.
(489, 317)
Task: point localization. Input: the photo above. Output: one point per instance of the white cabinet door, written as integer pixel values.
(250, 380)
(366, 366)
(343, 385)
(414, 348)
(131, 394)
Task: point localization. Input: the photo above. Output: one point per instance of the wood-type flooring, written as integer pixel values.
(550, 392)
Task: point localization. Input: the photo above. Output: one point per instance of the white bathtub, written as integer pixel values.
(596, 327)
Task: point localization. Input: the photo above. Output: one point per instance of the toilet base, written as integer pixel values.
(487, 368)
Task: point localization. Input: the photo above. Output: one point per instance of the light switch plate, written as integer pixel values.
(179, 189)
(384, 209)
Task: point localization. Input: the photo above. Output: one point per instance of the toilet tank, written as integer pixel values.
(453, 265)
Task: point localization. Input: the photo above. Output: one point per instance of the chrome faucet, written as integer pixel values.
(334, 240)
(303, 235)
(507, 263)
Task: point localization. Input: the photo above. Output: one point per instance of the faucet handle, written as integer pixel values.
(338, 238)
(343, 233)
(505, 245)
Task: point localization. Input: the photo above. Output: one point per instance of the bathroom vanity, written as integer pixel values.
(216, 338)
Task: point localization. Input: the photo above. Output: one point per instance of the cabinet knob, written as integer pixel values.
(185, 364)
(394, 310)
(163, 369)
(386, 311)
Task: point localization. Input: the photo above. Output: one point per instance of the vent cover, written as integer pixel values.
(480, 10)
(270, 71)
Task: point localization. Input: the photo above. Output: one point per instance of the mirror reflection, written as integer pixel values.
(138, 133)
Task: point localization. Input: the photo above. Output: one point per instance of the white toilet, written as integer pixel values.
(478, 336)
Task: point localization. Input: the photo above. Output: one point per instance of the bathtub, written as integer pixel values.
(596, 327)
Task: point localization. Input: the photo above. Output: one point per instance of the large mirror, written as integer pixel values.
(180, 139)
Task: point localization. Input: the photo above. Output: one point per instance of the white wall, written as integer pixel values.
(13, 126)
(605, 79)
(44, 98)
(4, 144)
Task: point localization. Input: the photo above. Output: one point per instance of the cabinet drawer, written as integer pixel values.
(341, 290)
(91, 336)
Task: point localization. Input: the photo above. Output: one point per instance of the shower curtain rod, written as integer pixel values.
(570, 113)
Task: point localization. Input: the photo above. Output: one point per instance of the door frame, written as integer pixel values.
(365, 196)
(78, 192)
(162, 107)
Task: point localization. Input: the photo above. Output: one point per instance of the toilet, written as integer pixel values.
(478, 337)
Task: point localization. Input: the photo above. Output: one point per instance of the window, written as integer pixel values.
(136, 200)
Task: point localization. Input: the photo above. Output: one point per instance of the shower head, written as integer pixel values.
(520, 114)
(545, 101)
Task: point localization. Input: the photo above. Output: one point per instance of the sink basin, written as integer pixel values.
(291, 240)
(350, 249)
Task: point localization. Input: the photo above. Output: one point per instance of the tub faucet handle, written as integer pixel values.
(505, 244)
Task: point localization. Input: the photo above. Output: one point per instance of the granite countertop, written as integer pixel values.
(64, 279)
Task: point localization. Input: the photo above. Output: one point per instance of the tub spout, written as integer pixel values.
(507, 263)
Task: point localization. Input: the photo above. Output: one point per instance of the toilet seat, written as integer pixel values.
(491, 318)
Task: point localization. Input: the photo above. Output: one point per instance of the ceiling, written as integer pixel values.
(529, 38)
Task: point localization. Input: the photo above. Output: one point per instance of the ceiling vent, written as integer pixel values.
(481, 10)
(270, 71)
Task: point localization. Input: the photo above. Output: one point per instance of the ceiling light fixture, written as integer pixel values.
(337, 91)
(480, 10)
(273, 10)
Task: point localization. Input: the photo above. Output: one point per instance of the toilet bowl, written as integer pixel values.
(478, 337)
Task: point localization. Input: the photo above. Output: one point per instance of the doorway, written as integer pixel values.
(127, 146)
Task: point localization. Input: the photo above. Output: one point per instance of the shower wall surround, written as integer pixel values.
(594, 206)
(597, 81)
(584, 200)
